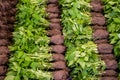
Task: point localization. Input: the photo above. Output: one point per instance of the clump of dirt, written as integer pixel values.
(8, 27)
(100, 34)
(60, 75)
(98, 20)
(54, 32)
(55, 20)
(11, 20)
(105, 48)
(59, 65)
(53, 8)
(5, 34)
(3, 59)
(3, 70)
(107, 56)
(96, 6)
(110, 73)
(4, 50)
(58, 49)
(11, 12)
(3, 42)
(58, 57)
(2, 77)
(55, 26)
(53, 15)
(57, 39)
(111, 64)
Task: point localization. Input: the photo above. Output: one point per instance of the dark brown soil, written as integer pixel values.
(59, 65)
(96, 14)
(6, 27)
(111, 64)
(100, 37)
(11, 20)
(96, 27)
(107, 56)
(58, 49)
(105, 48)
(53, 8)
(55, 26)
(7, 19)
(60, 75)
(57, 39)
(2, 77)
(100, 34)
(110, 73)
(96, 6)
(58, 57)
(5, 34)
(3, 70)
(3, 42)
(11, 12)
(55, 20)
(4, 6)
(13, 2)
(3, 59)
(109, 78)
(4, 50)
(98, 21)
(53, 15)
(101, 41)
(54, 32)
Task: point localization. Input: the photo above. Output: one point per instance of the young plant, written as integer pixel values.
(81, 54)
(30, 51)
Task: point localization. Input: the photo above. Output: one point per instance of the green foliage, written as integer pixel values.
(31, 52)
(81, 54)
(112, 14)
(112, 11)
(84, 62)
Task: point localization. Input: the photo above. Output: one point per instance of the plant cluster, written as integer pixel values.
(81, 54)
(112, 14)
(31, 53)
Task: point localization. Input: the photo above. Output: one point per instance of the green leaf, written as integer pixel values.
(10, 77)
(34, 65)
(17, 77)
(119, 36)
(116, 20)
